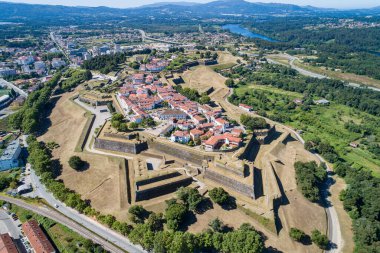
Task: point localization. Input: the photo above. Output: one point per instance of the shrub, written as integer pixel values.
(219, 195)
(297, 234)
(319, 239)
(76, 163)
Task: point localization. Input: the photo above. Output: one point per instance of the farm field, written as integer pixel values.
(325, 122)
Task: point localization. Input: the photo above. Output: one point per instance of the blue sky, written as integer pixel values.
(342, 4)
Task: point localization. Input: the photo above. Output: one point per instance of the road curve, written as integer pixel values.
(333, 226)
(58, 217)
(309, 73)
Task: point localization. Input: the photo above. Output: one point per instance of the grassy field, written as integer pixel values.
(223, 66)
(4, 92)
(327, 123)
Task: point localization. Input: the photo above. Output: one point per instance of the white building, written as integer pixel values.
(9, 159)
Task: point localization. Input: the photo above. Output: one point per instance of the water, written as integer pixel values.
(237, 29)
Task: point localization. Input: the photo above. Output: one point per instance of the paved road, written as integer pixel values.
(58, 217)
(12, 86)
(92, 225)
(305, 72)
(334, 233)
(145, 37)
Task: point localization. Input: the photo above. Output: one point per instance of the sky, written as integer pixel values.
(341, 4)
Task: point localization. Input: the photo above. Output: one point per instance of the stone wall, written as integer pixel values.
(162, 189)
(158, 178)
(125, 147)
(246, 190)
(237, 171)
(124, 137)
(181, 152)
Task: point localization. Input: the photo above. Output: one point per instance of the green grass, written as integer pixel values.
(267, 223)
(327, 123)
(223, 66)
(4, 92)
(4, 125)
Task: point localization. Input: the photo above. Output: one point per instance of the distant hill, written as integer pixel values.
(63, 15)
(163, 4)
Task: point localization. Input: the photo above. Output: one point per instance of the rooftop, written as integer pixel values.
(10, 151)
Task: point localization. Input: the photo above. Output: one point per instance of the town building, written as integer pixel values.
(37, 238)
(10, 156)
(177, 114)
(245, 107)
(7, 72)
(57, 63)
(180, 136)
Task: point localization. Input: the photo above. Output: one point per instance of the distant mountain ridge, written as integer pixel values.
(23, 12)
(162, 4)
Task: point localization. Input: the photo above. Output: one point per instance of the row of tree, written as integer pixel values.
(28, 118)
(150, 229)
(361, 201)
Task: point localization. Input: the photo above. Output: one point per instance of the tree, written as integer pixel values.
(133, 125)
(76, 163)
(319, 239)
(229, 83)
(219, 195)
(245, 239)
(297, 234)
(216, 225)
(155, 222)
(190, 197)
(310, 177)
(205, 99)
(175, 214)
(138, 213)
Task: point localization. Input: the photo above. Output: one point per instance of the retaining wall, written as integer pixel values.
(180, 152)
(125, 147)
(233, 184)
(163, 189)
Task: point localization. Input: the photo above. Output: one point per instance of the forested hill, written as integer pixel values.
(19, 12)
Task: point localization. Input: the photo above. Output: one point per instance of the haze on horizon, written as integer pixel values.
(350, 4)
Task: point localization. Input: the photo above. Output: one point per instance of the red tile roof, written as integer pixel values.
(37, 237)
(7, 245)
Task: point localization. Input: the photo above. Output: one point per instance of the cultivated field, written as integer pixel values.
(100, 182)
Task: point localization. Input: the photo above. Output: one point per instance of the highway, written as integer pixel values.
(333, 226)
(145, 37)
(305, 72)
(96, 228)
(12, 86)
(60, 218)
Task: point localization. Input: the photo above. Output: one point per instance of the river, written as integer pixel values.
(237, 29)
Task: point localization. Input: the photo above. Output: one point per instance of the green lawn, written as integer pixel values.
(4, 92)
(325, 122)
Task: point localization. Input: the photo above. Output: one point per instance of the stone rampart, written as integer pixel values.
(125, 147)
(246, 190)
(162, 189)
